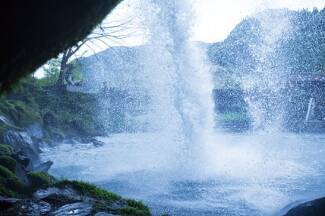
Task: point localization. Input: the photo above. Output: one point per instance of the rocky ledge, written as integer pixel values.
(33, 192)
(72, 198)
(312, 208)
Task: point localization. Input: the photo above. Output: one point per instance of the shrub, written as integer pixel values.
(8, 162)
(6, 149)
(40, 180)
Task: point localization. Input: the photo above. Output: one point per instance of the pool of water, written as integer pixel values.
(257, 174)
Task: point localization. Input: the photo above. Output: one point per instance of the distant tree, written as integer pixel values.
(101, 35)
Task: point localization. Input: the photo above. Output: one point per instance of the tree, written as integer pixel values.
(101, 35)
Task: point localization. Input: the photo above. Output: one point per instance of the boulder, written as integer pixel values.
(22, 142)
(311, 208)
(74, 209)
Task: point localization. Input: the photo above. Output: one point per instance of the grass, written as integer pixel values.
(8, 162)
(6, 149)
(87, 189)
(128, 206)
(40, 180)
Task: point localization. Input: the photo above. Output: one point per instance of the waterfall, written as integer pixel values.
(265, 84)
(177, 77)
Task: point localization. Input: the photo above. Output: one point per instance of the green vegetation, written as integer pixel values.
(133, 211)
(8, 162)
(69, 114)
(89, 190)
(6, 149)
(10, 185)
(131, 207)
(301, 50)
(40, 180)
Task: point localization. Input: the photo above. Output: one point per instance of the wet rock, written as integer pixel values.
(22, 142)
(44, 167)
(6, 203)
(77, 209)
(65, 195)
(312, 208)
(29, 208)
(35, 130)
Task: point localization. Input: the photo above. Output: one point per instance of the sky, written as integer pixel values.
(214, 19)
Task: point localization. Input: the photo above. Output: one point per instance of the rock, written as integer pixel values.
(29, 208)
(311, 208)
(35, 130)
(22, 142)
(77, 209)
(44, 167)
(22, 159)
(6, 203)
(57, 193)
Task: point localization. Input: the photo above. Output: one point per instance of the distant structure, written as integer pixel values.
(306, 108)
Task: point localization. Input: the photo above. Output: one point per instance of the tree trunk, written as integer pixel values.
(60, 84)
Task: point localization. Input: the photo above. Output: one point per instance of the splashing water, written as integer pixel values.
(264, 86)
(177, 78)
(180, 165)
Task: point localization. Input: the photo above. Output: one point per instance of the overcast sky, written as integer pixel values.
(214, 19)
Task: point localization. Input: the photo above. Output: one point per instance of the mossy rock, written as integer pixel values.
(22, 113)
(8, 162)
(6, 149)
(134, 211)
(40, 180)
(138, 205)
(90, 190)
(128, 206)
(9, 182)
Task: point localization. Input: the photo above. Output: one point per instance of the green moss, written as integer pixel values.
(6, 192)
(131, 207)
(6, 149)
(10, 183)
(134, 212)
(20, 112)
(8, 162)
(40, 180)
(87, 189)
(138, 205)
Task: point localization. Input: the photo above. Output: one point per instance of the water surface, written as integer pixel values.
(231, 174)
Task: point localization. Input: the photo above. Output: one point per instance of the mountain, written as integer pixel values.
(291, 41)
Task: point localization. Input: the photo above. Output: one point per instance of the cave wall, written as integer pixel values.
(35, 31)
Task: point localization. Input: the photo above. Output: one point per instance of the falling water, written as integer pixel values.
(179, 165)
(264, 86)
(177, 77)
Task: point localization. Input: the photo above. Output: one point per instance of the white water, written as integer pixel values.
(264, 86)
(241, 174)
(181, 166)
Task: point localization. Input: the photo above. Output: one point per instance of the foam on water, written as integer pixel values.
(244, 175)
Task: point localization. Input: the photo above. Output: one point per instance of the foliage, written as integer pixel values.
(300, 50)
(9, 183)
(51, 72)
(89, 190)
(40, 180)
(70, 114)
(8, 162)
(6, 149)
(131, 207)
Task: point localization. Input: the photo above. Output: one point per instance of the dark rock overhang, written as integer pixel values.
(35, 31)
